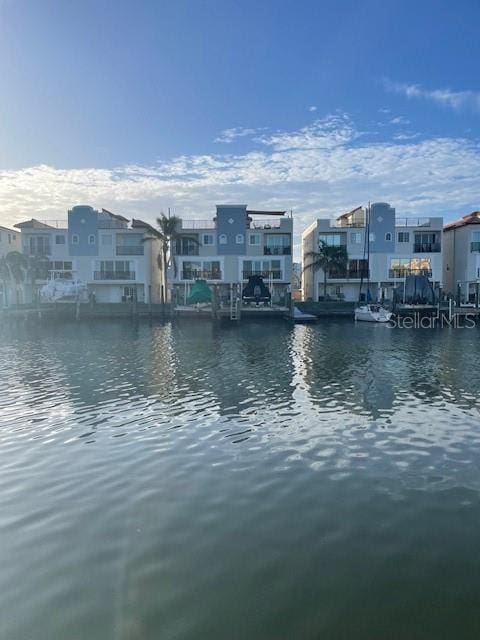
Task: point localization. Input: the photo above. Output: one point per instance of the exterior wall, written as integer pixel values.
(461, 264)
(82, 223)
(381, 223)
(231, 225)
(9, 241)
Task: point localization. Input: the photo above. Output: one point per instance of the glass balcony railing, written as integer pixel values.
(204, 274)
(133, 250)
(114, 275)
(276, 274)
(277, 251)
(402, 273)
(428, 247)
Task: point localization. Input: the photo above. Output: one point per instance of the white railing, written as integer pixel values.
(412, 222)
(198, 224)
(265, 224)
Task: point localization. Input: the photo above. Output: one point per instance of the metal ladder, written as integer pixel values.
(233, 303)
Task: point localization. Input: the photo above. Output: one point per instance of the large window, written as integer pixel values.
(114, 270)
(129, 244)
(401, 267)
(404, 236)
(39, 246)
(206, 269)
(277, 244)
(330, 239)
(186, 247)
(268, 269)
(427, 243)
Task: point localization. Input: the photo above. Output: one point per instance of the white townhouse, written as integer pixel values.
(397, 247)
(461, 262)
(99, 249)
(235, 244)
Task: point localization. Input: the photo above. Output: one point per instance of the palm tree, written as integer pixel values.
(328, 258)
(167, 233)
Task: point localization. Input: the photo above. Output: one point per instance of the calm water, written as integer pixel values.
(260, 482)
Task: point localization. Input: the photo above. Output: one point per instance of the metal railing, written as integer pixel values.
(277, 251)
(194, 274)
(114, 275)
(474, 246)
(412, 222)
(130, 251)
(427, 247)
(112, 224)
(265, 224)
(402, 273)
(275, 274)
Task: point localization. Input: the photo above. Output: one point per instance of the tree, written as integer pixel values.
(167, 233)
(328, 258)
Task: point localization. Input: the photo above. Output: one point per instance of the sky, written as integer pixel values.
(311, 106)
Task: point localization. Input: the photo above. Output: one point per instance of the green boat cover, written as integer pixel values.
(200, 292)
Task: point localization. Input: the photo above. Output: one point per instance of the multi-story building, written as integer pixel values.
(461, 256)
(235, 244)
(99, 249)
(395, 247)
(9, 291)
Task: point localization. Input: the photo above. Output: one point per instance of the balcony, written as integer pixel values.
(403, 273)
(277, 251)
(112, 224)
(412, 222)
(114, 275)
(348, 274)
(195, 274)
(266, 275)
(429, 247)
(198, 224)
(134, 250)
(265, 224)
(474, 247)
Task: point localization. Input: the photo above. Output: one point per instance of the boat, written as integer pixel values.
(372, 313)
(303, 318)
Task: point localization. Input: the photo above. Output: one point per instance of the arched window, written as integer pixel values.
(91, 239)
(222, 238)
(388, 237)
(75, 238)
(239, 238)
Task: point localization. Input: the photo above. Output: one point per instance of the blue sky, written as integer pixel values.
(314, 106)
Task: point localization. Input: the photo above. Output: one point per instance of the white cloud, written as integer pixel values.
(319, 170)
(229, 135)
(399, 120)
(446, 97)
(312, 108)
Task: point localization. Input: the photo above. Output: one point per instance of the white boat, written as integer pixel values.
(372, 313)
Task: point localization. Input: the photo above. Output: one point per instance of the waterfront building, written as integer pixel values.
(99, 249)
(397, 247)
(461, 263)
(9, 291)
(226, 250)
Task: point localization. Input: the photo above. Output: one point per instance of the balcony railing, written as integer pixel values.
(402, 273)
(349, 273)
(112, 224)
(276, 274)
(277, 251)
(265, 224)
(126, 250)
(114, 275)
(427, 247)
(412, 222)
(474, 246)
(198, 224)
(195, 274)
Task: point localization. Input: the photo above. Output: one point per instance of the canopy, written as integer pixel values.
(199, 293)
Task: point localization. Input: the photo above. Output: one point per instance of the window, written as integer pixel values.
(9, 238)
(254, 239)
(222, 239)
(75, 239)
(239, 238)
(356, 237)
(278, 244)
(59, 239)
(91, 239)
(371, 237)
(388, 237)
(207, 239)
(404, 236)
(426, 243)
(268, 269)
(185, 246)
(401, 267)
(330, 239)
(39, 246)
(106, 240)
